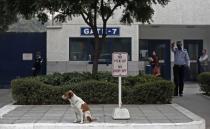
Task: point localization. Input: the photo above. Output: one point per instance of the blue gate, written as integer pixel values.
(17, 54)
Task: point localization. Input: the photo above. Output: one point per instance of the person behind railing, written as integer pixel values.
(154, 61)
(203, 61)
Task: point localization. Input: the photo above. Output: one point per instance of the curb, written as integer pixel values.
(190, 125)
(197, 120)
(7, 108)
(204, 96)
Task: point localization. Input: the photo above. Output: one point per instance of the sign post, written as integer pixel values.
(120, 69)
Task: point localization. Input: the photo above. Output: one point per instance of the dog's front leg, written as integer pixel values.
(77, 117)
(77, 114)
(82, 117)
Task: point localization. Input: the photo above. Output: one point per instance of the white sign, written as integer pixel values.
(27, 56)
(119, 69)
(119, 64)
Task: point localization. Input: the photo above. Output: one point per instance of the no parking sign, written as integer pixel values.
(119, 64)
(119, 69)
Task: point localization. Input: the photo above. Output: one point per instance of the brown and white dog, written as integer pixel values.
(81, 109)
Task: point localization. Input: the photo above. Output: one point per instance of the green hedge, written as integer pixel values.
(30, 91)
(57, 79)
(98, 89)
(204, 81)
(97, 92)
(140, 79)
(160, 91)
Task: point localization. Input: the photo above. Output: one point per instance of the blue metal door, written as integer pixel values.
(17, 53)
(194, 48)
(162, 48)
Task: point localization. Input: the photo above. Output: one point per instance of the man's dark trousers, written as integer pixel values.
(179, 79)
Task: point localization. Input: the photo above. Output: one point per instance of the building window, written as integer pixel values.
(143, 50)
(146, 47)
(81, 49)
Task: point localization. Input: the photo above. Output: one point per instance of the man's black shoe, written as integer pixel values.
(180, 95)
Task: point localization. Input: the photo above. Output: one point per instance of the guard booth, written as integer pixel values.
(17, 53)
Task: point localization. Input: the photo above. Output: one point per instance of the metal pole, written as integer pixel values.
(53, 19)
(120, 91)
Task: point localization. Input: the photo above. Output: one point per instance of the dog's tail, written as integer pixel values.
(91, 119)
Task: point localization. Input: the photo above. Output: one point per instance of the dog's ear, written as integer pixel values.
(70, 94)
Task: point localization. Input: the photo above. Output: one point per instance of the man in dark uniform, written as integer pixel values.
(37, 65)
(181, 61)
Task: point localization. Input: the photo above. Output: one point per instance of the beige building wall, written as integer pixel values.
(179, 20)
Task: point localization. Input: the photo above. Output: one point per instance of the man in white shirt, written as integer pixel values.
(181, 61)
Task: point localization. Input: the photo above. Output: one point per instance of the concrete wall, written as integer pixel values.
(58, 48)
(179, 20)
(58, 44)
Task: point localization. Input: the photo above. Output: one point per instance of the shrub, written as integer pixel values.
(153, 92)
(140, 79)
(57, 79)
(30, 91)
(204, 81)
(97, 89)
(71, 78)
(97, 92)
(105, 76)
(54, 79)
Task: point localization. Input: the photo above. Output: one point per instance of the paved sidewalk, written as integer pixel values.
(103, 114)
(194, 101)
(142, 116)
(5, 97)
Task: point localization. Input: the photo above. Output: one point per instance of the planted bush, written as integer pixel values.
(57, 79)
(101, 88)
(54, 79)
(140, 79)
(204, 81)
(30, 91)
(160, 91)
(97, 92)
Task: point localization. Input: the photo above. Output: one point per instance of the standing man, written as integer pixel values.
(181, 61)
(37, 64)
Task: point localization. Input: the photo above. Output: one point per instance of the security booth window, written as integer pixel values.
(81, 49)
(143, 50)
(146, 47)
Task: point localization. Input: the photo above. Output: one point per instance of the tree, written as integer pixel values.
(7, 17)
(90, 11)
